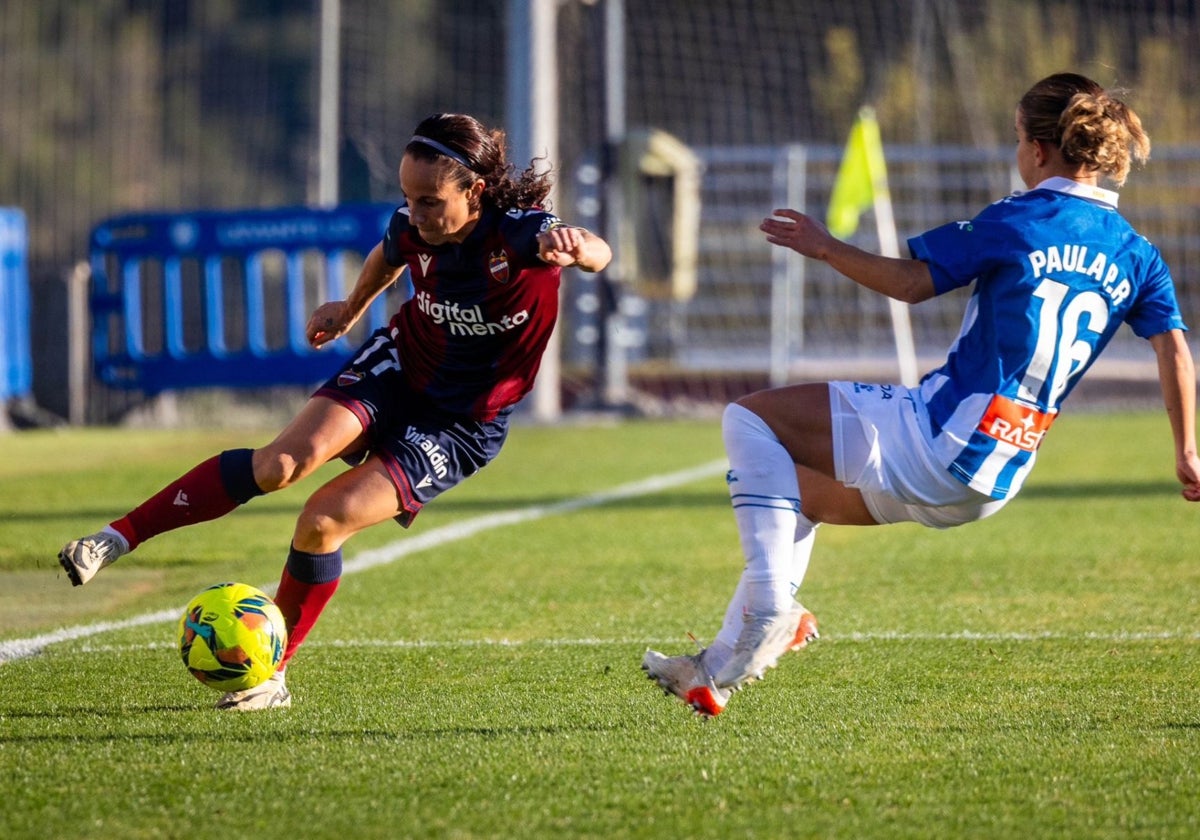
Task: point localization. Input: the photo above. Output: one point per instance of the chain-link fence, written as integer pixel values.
(119, 105)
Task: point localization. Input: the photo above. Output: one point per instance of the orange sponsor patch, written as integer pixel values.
(1023, 426)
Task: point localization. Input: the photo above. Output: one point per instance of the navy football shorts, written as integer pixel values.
(426, 450)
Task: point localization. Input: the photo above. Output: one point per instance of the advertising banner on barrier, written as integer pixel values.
(220, 298)
(16, 362)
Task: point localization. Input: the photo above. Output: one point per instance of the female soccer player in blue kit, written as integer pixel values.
(426, 400)
(1056, 270)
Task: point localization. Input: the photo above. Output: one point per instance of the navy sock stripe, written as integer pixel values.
(237, 475)
(314, 568)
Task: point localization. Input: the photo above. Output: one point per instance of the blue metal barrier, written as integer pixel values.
(16, 361)
(192, 300)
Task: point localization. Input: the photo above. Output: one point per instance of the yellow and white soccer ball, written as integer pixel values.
(232, 636)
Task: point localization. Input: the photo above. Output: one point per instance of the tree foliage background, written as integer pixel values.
(115, 105)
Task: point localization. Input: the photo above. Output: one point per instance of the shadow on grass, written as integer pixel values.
(716, 498)
(1097, 490)
(73, 733)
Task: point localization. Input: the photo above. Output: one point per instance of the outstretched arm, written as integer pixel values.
(334, 319)
(904, 280)
(1177, 377)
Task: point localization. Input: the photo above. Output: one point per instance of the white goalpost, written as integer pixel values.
(532, 129)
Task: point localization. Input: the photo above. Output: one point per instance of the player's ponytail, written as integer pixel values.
(1090, 126)
(1103, 134)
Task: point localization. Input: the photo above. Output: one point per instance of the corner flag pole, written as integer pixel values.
(862, 183)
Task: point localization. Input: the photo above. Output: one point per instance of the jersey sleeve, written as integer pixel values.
(393, 237)
(521, 229)
(959, 252)
(1155, 308)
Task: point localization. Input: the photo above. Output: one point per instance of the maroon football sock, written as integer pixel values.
(307, 584)
(209, 490)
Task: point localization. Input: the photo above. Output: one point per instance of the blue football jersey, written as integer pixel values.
(1056, 271)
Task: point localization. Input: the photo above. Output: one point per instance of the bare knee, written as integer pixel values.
(274, 469)
(318, 531)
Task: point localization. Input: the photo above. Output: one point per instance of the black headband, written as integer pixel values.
(442, 148)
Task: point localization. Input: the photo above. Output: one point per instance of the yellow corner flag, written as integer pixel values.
(861, 177)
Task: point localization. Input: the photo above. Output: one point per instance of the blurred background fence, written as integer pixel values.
(678, 125)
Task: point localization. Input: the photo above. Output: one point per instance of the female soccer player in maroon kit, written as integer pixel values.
(424, 403)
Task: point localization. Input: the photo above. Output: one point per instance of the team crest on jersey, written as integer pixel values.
(349, 377)
(498, 267)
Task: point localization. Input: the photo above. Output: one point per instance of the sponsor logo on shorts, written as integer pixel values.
(885, 392)
(1023, 426)
(434, 454)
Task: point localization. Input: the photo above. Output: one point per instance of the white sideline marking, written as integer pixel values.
(22, 648)
(881, 636)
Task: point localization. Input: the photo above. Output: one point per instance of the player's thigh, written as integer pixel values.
(320, 431)
(825, 499)
(799, 417)
(349, 502)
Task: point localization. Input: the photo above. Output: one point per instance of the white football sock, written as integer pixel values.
(765, 494)
(719, 651)
(120, 538)
(806, 535)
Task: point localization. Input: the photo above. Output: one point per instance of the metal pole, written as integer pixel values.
(787, 268)
(532, 94)
(329, 104)
(79, 348)
(613, 374)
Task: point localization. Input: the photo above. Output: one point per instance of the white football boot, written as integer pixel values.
(764, 638)
(82, 558)
(688, 679)
(806, 632)
(270, 694)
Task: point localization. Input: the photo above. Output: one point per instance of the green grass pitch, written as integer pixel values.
(1033, 675)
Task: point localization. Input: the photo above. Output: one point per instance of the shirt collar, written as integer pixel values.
(1099, 195)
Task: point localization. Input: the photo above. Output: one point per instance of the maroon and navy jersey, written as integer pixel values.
(472, 335)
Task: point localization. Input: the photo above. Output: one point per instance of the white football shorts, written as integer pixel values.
(881, 447)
